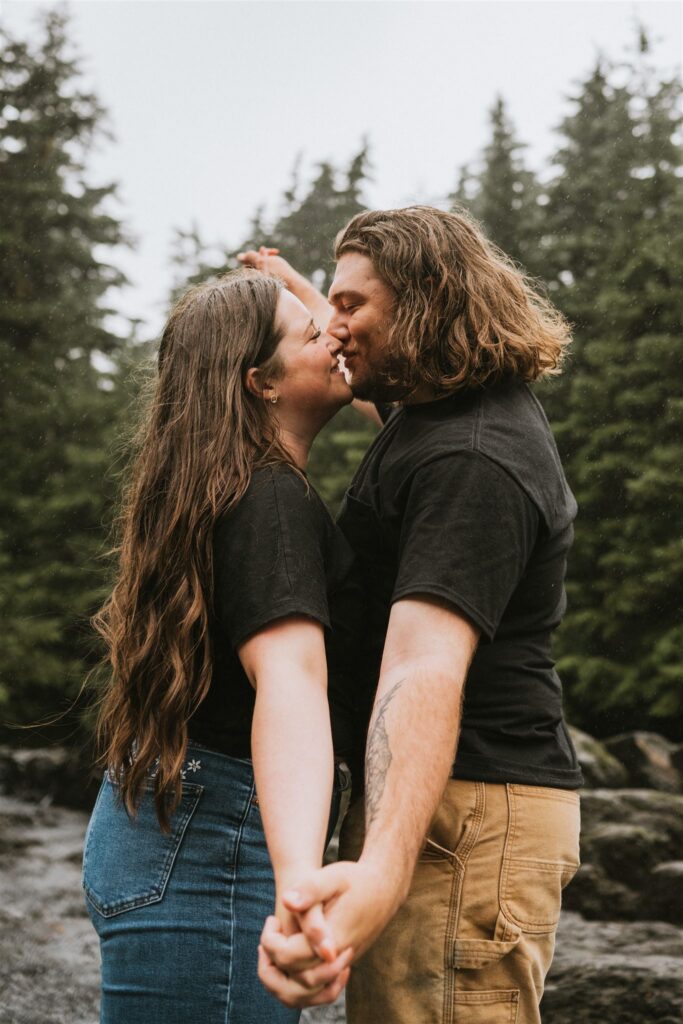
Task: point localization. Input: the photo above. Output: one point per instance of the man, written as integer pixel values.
(462, 519)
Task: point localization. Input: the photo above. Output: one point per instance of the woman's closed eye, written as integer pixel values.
(314, 337)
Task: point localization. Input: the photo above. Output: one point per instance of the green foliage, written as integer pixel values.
(606, 237)
(59, 410)
(503, 195)
(336, 454)
(605, 234)
(614, 252)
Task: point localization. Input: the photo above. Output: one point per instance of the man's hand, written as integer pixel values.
(358, 902)
(320, 983)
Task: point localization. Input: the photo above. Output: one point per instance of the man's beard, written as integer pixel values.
(377, 386)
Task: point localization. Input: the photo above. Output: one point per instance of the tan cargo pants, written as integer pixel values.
(474, 940)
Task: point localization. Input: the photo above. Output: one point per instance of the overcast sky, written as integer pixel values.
(210, 102)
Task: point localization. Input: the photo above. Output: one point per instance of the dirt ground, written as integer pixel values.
(622, 972)
(49, 955)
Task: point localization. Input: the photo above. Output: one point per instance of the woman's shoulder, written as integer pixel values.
(281, 493)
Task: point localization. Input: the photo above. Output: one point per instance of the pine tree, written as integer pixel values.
(615, 255)
(59, 409)
(503, 195)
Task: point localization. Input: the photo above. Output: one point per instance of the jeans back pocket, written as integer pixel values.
(127, 861)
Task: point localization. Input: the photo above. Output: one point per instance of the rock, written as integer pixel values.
(647, 759)
(628, 852)
(49, 955)
(599, 767)
(597, 896)
(677, 758)
(622, 973)
(625, 835)
(334, 1014)
(60, 775)
(605, 972)
(664, 894)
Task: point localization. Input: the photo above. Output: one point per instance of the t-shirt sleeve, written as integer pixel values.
(468, 531)
(269, 556)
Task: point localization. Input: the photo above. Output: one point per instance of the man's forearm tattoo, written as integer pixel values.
(378, 757)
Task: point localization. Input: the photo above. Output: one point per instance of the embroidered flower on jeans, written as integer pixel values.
(194, 766)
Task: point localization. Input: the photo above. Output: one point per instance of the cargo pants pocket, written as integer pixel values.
(128, 861)
(493, 1007)
(541, 856)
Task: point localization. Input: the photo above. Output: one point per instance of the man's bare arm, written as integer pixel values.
(413, 731)
(411, 746)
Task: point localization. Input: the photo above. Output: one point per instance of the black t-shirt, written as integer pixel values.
(464, 499)
(278, 553)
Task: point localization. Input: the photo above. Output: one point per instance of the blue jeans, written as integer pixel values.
(179, 916)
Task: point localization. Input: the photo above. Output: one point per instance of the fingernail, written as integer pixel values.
(292, 896)
(327, 951)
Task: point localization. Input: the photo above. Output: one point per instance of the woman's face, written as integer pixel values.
(311, 384)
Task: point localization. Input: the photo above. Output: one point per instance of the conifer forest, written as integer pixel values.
(601, 227)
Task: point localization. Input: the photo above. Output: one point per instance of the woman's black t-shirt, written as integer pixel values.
(278, 553)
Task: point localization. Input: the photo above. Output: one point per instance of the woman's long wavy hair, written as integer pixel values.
(465, 315)
(202, 435)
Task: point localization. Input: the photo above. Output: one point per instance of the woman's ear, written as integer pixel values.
(254, 383)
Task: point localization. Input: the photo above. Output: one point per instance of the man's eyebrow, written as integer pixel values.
(343, 293)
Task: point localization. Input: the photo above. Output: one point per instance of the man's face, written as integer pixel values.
(363, 311)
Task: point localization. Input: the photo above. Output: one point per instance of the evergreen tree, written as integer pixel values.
(614, 250)
(62, 392)
(503, 195)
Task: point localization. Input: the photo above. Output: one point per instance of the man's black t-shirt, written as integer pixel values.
(277, 553)
(464, 499)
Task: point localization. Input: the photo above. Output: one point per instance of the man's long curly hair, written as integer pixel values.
(465, 315)
(201, 436)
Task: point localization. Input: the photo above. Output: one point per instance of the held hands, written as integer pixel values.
(347, 900)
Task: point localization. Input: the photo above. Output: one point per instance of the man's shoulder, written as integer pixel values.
(505, 424)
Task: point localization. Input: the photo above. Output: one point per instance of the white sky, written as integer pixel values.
(210, 102)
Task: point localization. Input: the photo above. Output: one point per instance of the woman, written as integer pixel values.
(233, 581)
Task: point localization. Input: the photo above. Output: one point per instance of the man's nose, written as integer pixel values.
(337, 328)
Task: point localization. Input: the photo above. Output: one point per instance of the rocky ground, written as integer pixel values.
(613, 962)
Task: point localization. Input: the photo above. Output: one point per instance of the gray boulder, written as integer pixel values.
(677, 758)
(600, 768)
(611, 972)
(625, 836)
(53, 774)
(647, 759)
(664, 894)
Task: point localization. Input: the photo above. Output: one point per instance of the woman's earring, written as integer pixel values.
(274, 400)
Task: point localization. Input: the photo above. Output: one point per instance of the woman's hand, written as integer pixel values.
(319, 944)
(268, 261)
(319, 984)
(358, 901)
